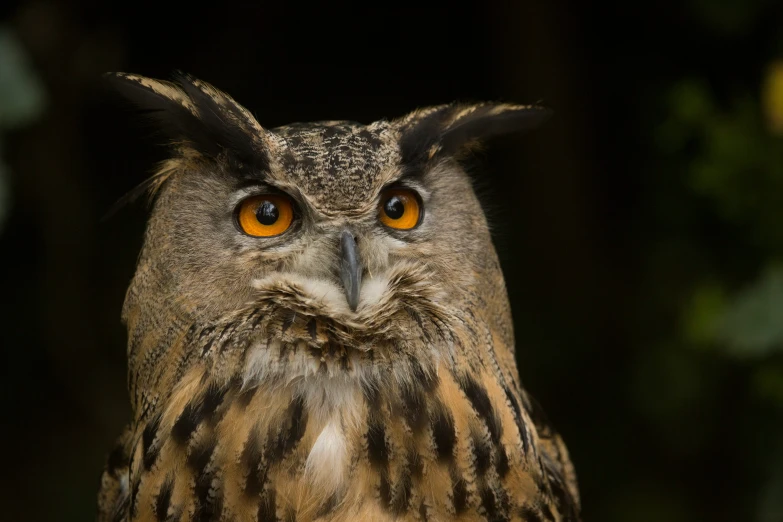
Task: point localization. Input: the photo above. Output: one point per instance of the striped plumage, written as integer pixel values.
(259, 394)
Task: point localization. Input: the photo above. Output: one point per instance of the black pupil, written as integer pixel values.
(267, 213)
(394, 207)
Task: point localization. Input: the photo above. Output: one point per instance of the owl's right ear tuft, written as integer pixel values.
(192, 113)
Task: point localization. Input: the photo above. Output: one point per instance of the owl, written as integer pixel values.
(319, 329)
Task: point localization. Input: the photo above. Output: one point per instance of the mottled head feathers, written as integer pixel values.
(190, 111)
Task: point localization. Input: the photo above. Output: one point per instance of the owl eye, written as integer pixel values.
(400, 209)
(266, 215)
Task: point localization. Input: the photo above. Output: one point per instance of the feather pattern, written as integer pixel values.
(259, 394)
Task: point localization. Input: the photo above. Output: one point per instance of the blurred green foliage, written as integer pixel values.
(736, 164)
(22, 99)
(724, 154)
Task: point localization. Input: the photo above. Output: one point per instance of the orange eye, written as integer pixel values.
(266, 215)
(400, 209)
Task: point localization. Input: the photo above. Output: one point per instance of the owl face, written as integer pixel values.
(340, 241)
(350, 224)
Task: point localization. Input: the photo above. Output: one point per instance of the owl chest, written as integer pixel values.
(238, 451)
(319, 445)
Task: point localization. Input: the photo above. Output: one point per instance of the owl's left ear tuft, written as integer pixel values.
(449, 129)
(482, 122)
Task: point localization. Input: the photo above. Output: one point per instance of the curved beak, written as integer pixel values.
(350, 269)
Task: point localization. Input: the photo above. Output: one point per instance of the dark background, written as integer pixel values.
(641, 229)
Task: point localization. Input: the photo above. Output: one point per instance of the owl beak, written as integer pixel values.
(350, 269)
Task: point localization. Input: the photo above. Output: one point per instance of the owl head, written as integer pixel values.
(363, 234)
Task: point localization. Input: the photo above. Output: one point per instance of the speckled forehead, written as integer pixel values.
(339, 166)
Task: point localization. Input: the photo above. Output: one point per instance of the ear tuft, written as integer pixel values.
(191, 112)
(447, 129)
(482, 122)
